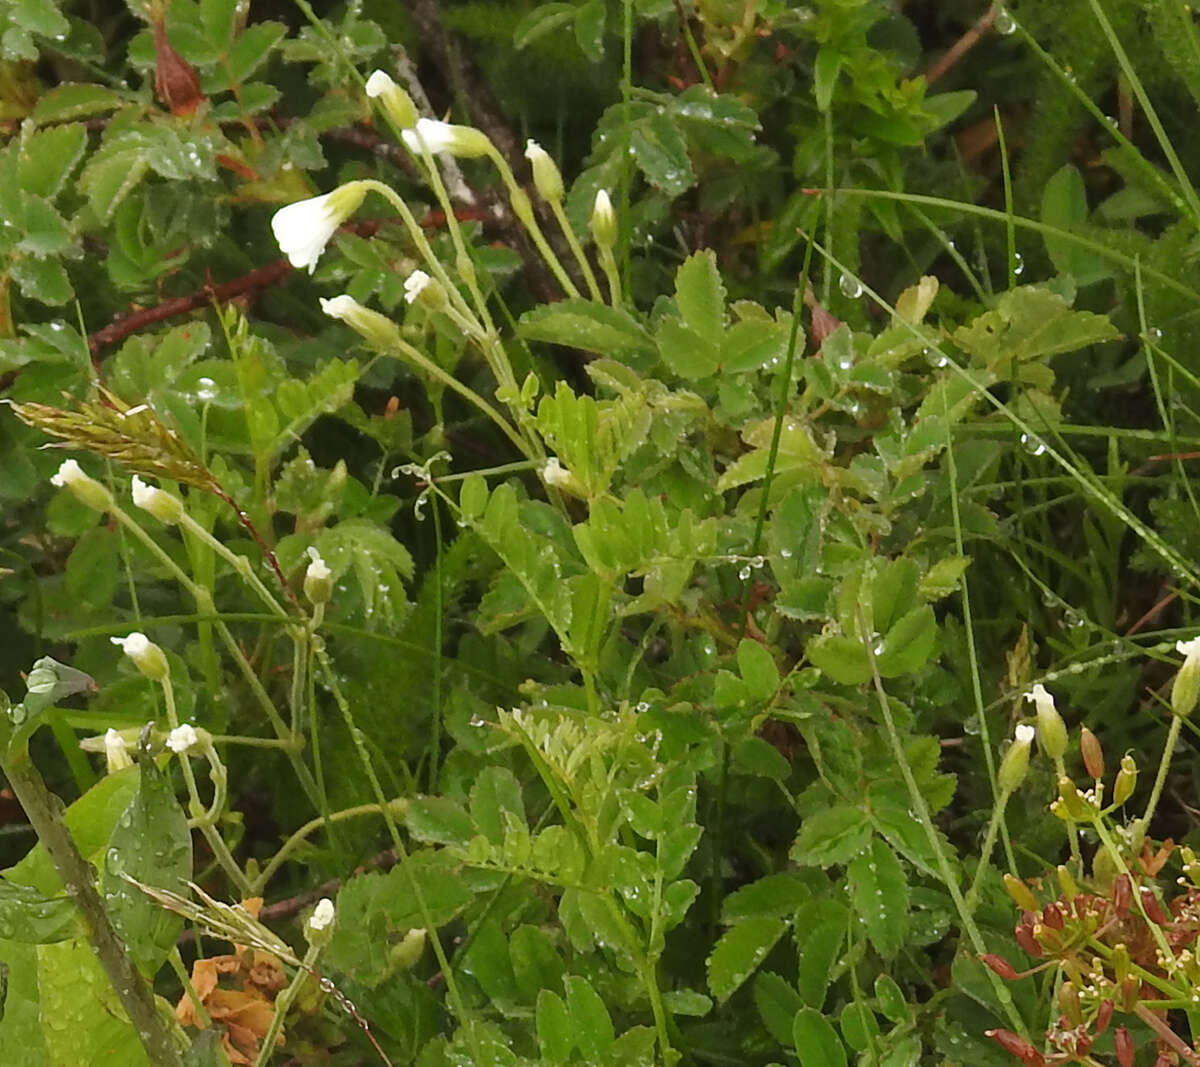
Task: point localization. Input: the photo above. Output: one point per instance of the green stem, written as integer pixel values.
(1160, 779)
(1060, 769)
(283, 1002)
(608, 263)
(568, 230)
(989, 843)
(240, 564)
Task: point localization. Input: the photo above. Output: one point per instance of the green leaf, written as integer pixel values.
(820, 927)
(833, 835)
(206, 1050)
(589, 1019)
(908, 644)
(700, 296)
(687, 1002)
(757, 667)
(440, 820)
(661, 154)
(879, 892)
(111, 174)
(76, 101)
(825, 74)
(943, 577)
(152, 843)
(757, 756)
(772, 896)
(739, 951)
(1065, 206)
(251, 50)
(496, 796)
(93, 568)
(380, 564)
(556, 1035)
(539, 21)
(891, 1000)
(777, 1002)
(536, 963)
(859, 1026)
(48, 157)
(894, 592)
(844, 659)
(82, 1018)
(20, 1023)
(39, 16)
(946, 107)
(590, 18)
(44, 280)
(685, 352)
(487, 959)
(30, 917)
(472, 498)
(816, 1041)
(754, 344)
(583, 324)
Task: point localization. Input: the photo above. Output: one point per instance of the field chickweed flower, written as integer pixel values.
(1052, 731)
(146, 655)
(182, 738)
(304, 228)
(71, 476)
(604, 220)
(394, 100)
(116, 752)
(1186, 690)
(374, 328)
(1016, 759)
(318, 579)
(464, 142)
(547, 179)
(163, 506)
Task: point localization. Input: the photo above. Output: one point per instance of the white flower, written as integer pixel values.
(71, 475)
(1189, 649)
(546, 176)
(415, 284)
(1051, 728)
(379, 83)
(340, 307)
(162, 505)
(554, 473)
(304, 228)
(182, 738)
(1024, 734)
(465, 142)
(317, 570)
(1185, 690)
(322, 915)
(116, 752)
(146, 655)
(318, 579)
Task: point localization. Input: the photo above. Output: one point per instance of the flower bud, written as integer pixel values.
(1123, 1047)
(87, 489)
(1000, 966)
(1016, 759)
(1093, 754)
(377, 330)
(603, 222)
(547, 179)
(556, 475)
(1126, 780)
(1020, 893)
(318, 579)
(163, 506)
(1185, 692)
(304, 228)
(1052, 731)
(146, 655)
(463, 142)
(116, 752)
(319, 928)
(405, 955)
(182, 738)
(396, 103)
(1066, 882)
(421, 289)
(1072, 805)
(1068, 1003)
(1017, 1046)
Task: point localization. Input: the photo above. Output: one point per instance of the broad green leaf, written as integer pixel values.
(739, 952)
(555, 1033)
(28, 916)
(76, 100)
(943, 577)
(944, 108)
(816, 1041)
(772, 896)
(891, 1000)
(1065, 206)
(495, 795)
(825, 74)
(536, 963)
(661, 154)
(587, 325)
(472, 498)
(894, 592)
(879, 892)
(540, 20)
(834, 835)
(440, 820)
(908, 644)
(43, 280)
(859, 1026)
(92, 568)
(752, 345)
(589, 1019)
(488, 961)
(251, 49)
(700, 296)
(684, 351)
(757, 756)
(777, 1004)
(380, 564)
(843, 659)
(20, 1022)
(49, 156)
(820, 929)
(152, 843)
(206, 1050)
(687, 1002)
(757, 667)
(82, 1018)
(590, 18)
(111, 173)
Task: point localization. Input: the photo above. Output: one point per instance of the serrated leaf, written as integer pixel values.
(110, 175)
(44, 280)
(1065, 206)
(844, 659)
(908, 643)
(820, 927)
(879, 892)
(661, 154)
(589, 1019)
(75, 101)
(777, 1004)
(700, 295)
(816, 1041)
(832, 836)
(685, 352)
(943, 577)
(440, 820)
(556, 1036)
(772, 896)
(590, 19)
(583, 324)
(758, 669)
(251, 50)
(47, 158)
(536, 963)
(495, 796)
(739, 952)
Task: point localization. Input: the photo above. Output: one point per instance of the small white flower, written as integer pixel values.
(116, 752)
(546, 176)
(146, 655)
(554, 473)
(162, 505)
(378, 84)
(304, 228)
(322, 916)
(1052, 731)
(340, 307)
(415, 284)
(1189, 649)
(69, 472)
(133, 645)
(182, 738)
(318, 579)
(1024, 734)
(465, 142)
(1039, 695)
(317, 570)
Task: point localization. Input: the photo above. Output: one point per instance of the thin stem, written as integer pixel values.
(568, 231)
(283, 1002)
(608, 263)
(1164, 762)
(240, 564)
(989, 843)
(1060, 768)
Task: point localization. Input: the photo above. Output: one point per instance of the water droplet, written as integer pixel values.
(206, 389)
(850, 286)
(744, 573)
(758, 562)
(845, 363)
(1018, 264)
(1005, 23)
(1153, 334)
(1033, 444)
(326, 984)
(785, 553)
(643, 705)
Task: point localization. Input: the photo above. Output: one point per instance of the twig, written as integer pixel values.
(963, 45)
